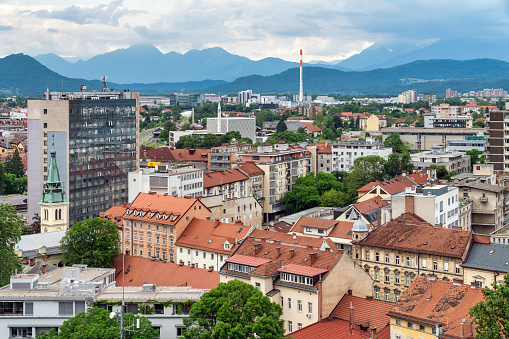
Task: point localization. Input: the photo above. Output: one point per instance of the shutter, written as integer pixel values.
(29, 308)
(79, 306)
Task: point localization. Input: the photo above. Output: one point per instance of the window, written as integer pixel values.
(422, 328)
(398, 322)
(397, 260)
(377, 293)
(141, 236)
(377, 275)
(257, 285)
(435, 265)
(299, 305)
(21, 332)
(387, 258)
(79, 306)
(386, 295)
(408, 261)
(446, 266)
(45, 111)
(29, 308)
(396, 294)
(457, 269)
(367, 255)
(289, 303)
(377, 256)
(204, 255)
(148, 237)
(299, 326)
(407, 280)
(196, 253)
(409, 324)
(386, 277)
(310, 308)
(308, 229)
(212, 256)
(65, 308)
(157, 240)
(135, 235)
(423, 263)
(180, 331)
(45, 125)
(396, 278)
(289, 326)
(282, 302)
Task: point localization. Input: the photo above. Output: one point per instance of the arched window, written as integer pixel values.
(46, 214)
(59, 214)
(56, 214)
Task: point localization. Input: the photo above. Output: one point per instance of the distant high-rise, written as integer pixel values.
(95, 135)
(301, 88)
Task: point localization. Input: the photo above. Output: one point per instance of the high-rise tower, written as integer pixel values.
(301, 90)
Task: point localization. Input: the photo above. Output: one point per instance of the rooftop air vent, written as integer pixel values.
(491, 252)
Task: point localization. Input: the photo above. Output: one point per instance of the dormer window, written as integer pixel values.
(320, 231)
(307, 229)
(299, 279)
(227, 246)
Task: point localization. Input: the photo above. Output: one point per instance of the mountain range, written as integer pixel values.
(23, 75)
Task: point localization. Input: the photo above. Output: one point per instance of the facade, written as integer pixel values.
(225, 156)
(161, 180)
(246, 126)
(208, 243)
(54, 212)
(487, 206)
(437, 205)
(432, 308)
(96, 140)
(229, 183)
(486, 264)
(186, 100)
(407, 97)
(255, 181)
(450, 122)
(469, 143)
(406, 247)
(453, 161)
(481, 174)
(282, 165)
(370, 123)
(423, 139)
(40, 247)
(344, 153)
(324, 157)
(385, 189)
(153, 222)
(496, 128)
(306, 282)
(247, 210)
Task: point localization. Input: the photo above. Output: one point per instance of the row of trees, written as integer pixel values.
(12, 175)
(210, 140)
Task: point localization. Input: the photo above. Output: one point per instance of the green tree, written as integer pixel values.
(479, 124)
(210, 140)
(394, 141)
(164, 135)
(235, 310)
(188, 141)
(170, 125)
(476, 157)
(14, 185)
(14, 165)
(229, 136)
(364, 170)
(492, 315)
(420, 121)
(94, 242)
(11, 227)
(287, 136)
(397, 164)
(442, 172)
(281, 126)
(185, 126)
(96, 324)
(333, 198)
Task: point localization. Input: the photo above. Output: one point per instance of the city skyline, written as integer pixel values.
(327, 31)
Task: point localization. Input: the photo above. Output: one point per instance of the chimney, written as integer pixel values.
(216, 223)
(278, 250)
(473, 285)
(349, 291)
(32, 262)
(373, 332)
(192, 265)
(292, 252)
(25, 260)
(153, 258)
(256, 248)
(44, 269)
(369, 297)
(309, 247)
(45, 258)
(312, 258)
(277, 242)
(352, 320)
(181, 263)
(239, 222)
(211, 268)
(263, 239)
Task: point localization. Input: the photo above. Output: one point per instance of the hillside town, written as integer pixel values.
(381, 217)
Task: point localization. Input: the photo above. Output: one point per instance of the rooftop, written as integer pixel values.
(251, 169)
(488, 257)
(222, 178)
(410, 233)
(484, 187)
(139, 271)
(370, 204)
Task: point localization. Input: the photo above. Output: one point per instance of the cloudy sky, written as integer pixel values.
(327, 29)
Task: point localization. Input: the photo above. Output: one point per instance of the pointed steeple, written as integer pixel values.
(219, 115)
(53, 192)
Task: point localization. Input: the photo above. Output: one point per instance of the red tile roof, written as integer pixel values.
(420, 177)
(410, 233)
(450, 303)
(247, 260)
(392, 186)
(159, 154)
(343, 230)
(314, 223)
(331, 328)
(210, 235)
(141, 271)
(370, 204)
(201, 154)
(282, 227)
(321, 148)
(283, 254)
(302, 270)
(212, 179)
(366, 311)
(115, 213)
(309, 125)
(160, 204)
(290, 239)
(251, 169)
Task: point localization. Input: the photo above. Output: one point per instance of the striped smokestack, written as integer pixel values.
(301, 91)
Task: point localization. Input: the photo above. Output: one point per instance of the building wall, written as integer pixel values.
(400, 330)
(201, 258)
(248, 210)
(487, 214)
(488, 277)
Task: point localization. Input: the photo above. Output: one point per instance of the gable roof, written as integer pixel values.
(370, 204)
(286, 238)
(334, 328)
(449, 304)
(313, 223)
(159, 154)
(488, 257)
(251, 169)
(309, 125)
(139, 271)
(211, 179)
(188, 154)
(342, 230)
(410, 233)
(210, 235)
(392, 186)
(419, 177)
(115, 213)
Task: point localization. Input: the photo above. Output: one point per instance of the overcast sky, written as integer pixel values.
(326, 30)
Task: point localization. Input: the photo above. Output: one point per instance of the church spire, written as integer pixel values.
(53, 191)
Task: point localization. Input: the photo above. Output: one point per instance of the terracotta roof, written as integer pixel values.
(282, 227)
(115, 213)
(211, 179)
(321, 148)
(314, 223)
(392, 186)
(251, 169)
(343, 230)
(290, 239)
(297, 118)
(302, 270)
(370, 204)
(407, 233)
(141, 271)
(332, 328)
(309, 125)
(159, 154)
(158, 203)
(210, 235)
(247, 260)
(420, 177)
(191, 154)
(366, 311)
(449, 304)
(283, 254)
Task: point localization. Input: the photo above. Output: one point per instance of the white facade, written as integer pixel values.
(203, 258)
(407, 97)
(180, 182)
(344, 153)
(246, 126)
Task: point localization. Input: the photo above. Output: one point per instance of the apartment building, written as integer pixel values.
(229, 183)
(208, 243)
(247, 210)
(437, 204)
(487, 205)
(185, 181)
(95, 135)
(476, 269)
(453, 161)
(324, 157)
(406, 247)
(344, 153)
(255, 181)
(497, 123)
(153, 222)
(306, 282)
(469, 143)
(385, 189)
(282, 165)
(224, 157)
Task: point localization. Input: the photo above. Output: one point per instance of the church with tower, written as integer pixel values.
(54, 205)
